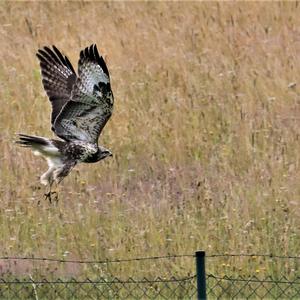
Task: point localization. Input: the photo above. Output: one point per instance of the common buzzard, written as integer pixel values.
(81, 106)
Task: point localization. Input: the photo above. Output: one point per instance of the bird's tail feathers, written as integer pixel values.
(30, 140)
(39, 145)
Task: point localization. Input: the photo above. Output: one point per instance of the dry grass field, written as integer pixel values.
(205, 134)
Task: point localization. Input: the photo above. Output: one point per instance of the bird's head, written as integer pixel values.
(103, 153)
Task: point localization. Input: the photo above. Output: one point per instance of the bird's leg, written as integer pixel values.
(48, 196)
(55, 193)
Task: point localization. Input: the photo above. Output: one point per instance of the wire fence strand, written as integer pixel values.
(254, 279)
(106, 261)
(254, 255)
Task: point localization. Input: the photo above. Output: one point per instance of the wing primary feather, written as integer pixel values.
(58, 53)
(46, 56)
(81, 54)
(86, 52)
(92, 56)
(100, 61)
(69, 65)
(50, 52)
(41, 58)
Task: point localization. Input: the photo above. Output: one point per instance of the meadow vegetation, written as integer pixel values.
(205, 135)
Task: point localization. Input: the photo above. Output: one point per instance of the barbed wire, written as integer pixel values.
(106, 261)
(95, 261)
(253, 255)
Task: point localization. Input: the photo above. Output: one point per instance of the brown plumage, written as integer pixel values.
(81, 106)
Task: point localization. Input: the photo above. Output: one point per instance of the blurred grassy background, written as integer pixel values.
(205, 132)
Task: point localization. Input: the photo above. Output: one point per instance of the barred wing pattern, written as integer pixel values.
(91, 103)
(58, 78)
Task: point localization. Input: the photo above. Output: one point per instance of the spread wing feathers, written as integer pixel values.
(91, 104)
(91, 70)
(58, 78)
(81, 121)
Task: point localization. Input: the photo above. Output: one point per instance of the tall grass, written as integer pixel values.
(205, 132)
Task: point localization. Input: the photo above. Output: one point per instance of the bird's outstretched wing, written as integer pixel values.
(85, 115)
(58, 78)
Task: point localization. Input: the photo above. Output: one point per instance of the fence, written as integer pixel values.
(198, 285)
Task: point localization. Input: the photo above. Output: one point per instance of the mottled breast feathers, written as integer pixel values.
(81, 105)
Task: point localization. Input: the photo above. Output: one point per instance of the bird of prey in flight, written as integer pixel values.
(81, 106)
